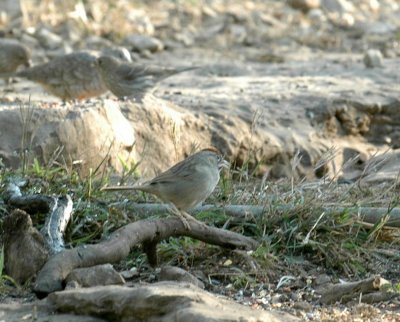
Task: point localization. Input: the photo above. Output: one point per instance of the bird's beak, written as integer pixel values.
(224, 164)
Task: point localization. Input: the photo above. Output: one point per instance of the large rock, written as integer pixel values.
(163, 301)
(79, 136)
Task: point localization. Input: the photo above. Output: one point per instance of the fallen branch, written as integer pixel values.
(56, 224)
(248, 212)
(119, 244)
(345, 292)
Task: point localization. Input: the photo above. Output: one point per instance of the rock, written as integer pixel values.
(382, 168)
(64, 49)
(142, 43)
(373, 58)
(25, 249)
(29, 40)
(94, 42)
(322, 279)
(120, 52)
(11, 7)
(163, 301)
(303, 306)
(380, 28)
(48, 39)
(85, 136)
(316, 16)
(40, 311)
(238, 33)
(130, 274)
(141, 21)
(337, 6)
(95, 276)
(172, 273)
(304, 5)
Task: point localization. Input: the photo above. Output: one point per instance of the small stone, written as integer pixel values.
(48, 39)
(304, 5)
(172, 273)
(96, 275)
(373, 58)
(302, 305)
(120, 52)
(129, 274)
(277, 298)
(322, 279)
(337, 6)
(72, 285)
(316, 15)
(142, 43)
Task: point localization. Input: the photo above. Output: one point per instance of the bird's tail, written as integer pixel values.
(185, 69)
(120, 188)
(172, 71)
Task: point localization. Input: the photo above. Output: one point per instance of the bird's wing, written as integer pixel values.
(132, 72)
(182, 171)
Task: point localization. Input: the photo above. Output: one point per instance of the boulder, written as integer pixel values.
(78, 136)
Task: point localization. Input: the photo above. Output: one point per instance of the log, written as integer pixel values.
(120, 243)
(345, 292)
(241, 213)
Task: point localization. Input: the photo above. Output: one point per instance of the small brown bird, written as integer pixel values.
(12, 55)
(69, 77)
(186, 184)
(133, 79)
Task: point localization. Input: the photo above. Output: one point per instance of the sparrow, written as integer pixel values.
(70, 77)
(186, 184)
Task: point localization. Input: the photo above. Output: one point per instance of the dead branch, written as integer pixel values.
(251, 212)
(345, 292)
(56, 224)
(120, 243)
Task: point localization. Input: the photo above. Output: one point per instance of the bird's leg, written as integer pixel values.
(189, 217)
(181, 216)
(185, 217)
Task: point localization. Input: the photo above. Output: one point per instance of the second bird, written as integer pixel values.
(133, 80)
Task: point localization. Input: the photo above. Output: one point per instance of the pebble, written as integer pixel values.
(373, 58)
(142, 43)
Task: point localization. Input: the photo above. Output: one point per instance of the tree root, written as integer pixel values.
(119, 244)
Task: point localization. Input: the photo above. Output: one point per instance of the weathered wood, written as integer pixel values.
(25, 250)
(250, 212)
(345, 292)
(119, 244)
(56, 223)
(58, 209)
